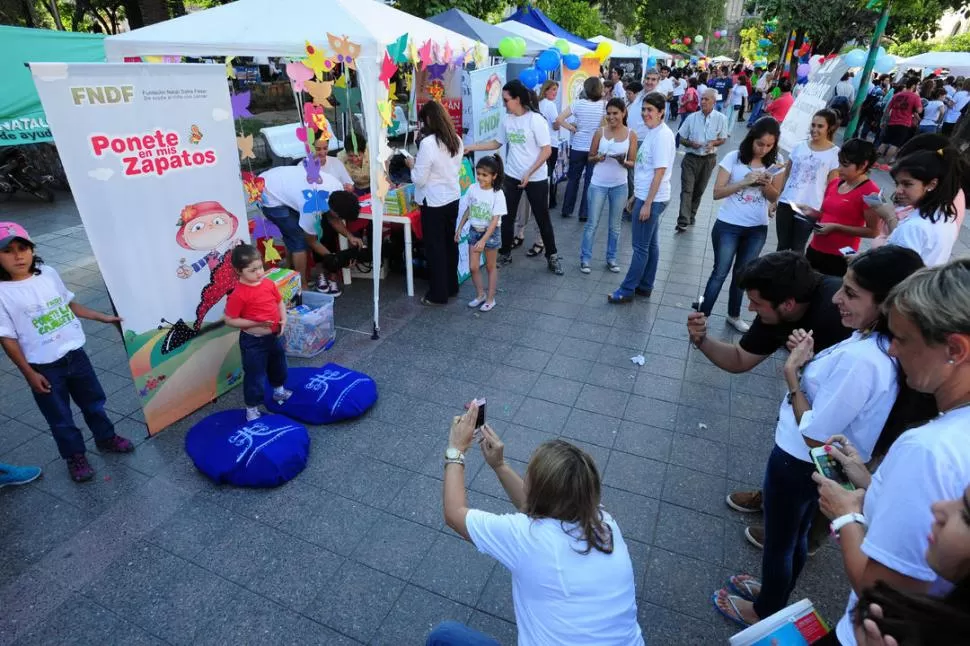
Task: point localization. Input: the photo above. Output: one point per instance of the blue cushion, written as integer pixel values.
(325, 395)
(263, 453)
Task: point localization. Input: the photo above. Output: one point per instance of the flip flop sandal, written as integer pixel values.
(517, 242)
(741, 585)
(537, 249)
(736, 617)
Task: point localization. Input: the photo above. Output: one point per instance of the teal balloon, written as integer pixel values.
(507, 47)
(571, 61)
(652, 62)
(765, 42)
(884, 65)
(548, 60)
(880, 52)
(529, 77)
(855, 58)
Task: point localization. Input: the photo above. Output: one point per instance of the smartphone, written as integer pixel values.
(816, 226)
(847, 251)
(830, 468)
(874, 199)
(777, 169)
(696, 305)
(798, 209)
(480, 420)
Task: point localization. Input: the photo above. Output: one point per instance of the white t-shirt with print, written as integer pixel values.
(809, 175)
(36, 312)
(526, 135)
(748, 207)
(285, 186)
(925, 465)
(482, 205)
(932, 241)
(657, 149)
(310, 222)
(561, 596)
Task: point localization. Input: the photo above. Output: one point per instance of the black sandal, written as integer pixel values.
(536, 250)
(517, 242)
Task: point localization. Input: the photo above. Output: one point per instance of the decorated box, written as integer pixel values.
(400, 200)
(310, 328)
(289, 284)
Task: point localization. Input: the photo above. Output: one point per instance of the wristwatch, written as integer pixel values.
(454, 456)
(840, 522)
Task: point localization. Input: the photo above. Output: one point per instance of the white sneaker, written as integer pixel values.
(475, 302)
(584, 267)
(253, 414)
(281, 394)
(738, 324)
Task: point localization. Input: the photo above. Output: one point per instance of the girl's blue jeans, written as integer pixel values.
(614, 197)
(737, 246)
(646, 249)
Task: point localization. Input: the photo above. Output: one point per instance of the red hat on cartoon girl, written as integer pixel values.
(198, 210)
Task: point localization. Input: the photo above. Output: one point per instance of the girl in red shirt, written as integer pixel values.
(844, 218)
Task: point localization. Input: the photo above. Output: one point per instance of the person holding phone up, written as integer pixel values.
(849, 389)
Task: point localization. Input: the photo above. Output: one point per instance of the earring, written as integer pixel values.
(950, 361)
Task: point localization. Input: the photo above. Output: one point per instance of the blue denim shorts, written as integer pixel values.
(288, 221)
(494, 241)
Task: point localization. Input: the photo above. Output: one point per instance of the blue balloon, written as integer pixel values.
(764, 42)
(693, 60)
(855, 58)
(652, 61)
(548, 60)
(529, 77)
(571, 61)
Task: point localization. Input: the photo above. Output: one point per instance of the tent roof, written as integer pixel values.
(520, 29)
(462, 23)
(649, 51)
(619, 49)
(278, 28)
(533, 17)
(956, 62)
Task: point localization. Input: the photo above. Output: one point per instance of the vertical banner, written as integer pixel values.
(572, 80)
(151, 155)
(442, 84)
(813, 96)
(485, 95)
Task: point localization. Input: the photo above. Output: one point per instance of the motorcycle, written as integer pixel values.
(17, 174)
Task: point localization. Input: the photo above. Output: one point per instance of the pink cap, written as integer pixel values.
(10, 231)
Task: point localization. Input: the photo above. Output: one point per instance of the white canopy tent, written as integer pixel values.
(528, 32)
(647, 51)
(619, 49)
(281, 28)
(958, 63)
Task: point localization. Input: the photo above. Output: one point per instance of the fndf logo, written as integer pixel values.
(102, 94)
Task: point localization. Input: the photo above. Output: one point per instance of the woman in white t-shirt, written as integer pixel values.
(933, 112)
(739, 94)
(527, 134)
(549, 110)
(882, 525)
(614, 150)
(655, 158)
(582, 118)
(955, 108)
(572, 577)
(747, 187)
(848, 389)
(812, 166)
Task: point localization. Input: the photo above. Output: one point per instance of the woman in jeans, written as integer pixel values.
(651, 192)
(747, 188)
(547, 108)
(586, 118)
(613, 150)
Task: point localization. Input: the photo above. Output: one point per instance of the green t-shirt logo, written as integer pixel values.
(516, 136)
(57, 316)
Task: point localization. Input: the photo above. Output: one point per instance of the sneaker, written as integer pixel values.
(253, 414)
(281, 394)
(680, 228)
(555, 266)
(612, 266)
(11, 475)
(738, 324)
(646, 293)
(505, 258)
(327, 286)
(78, 467)
(116, 444)
(476, 302)
(755, 534)
(583, 218)
(487, 307)
(747, 502)
(584, 267)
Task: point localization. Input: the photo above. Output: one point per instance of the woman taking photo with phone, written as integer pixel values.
(746, 188)
(814, 164)
(882, 524)
(849, 388)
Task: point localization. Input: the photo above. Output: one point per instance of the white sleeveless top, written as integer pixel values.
(609, 172)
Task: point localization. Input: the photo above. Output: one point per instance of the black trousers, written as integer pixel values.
(538, 195)
(793, 232)
(551, 165)
(440, 250)
(826, 263)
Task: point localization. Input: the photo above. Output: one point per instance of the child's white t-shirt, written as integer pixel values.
(36, 312)
(482, 206)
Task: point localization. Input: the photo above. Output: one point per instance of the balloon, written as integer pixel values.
(687, 40)
(880, 52)
(675, 41)
(803, 70)
(508, 48)
(765, 42)
(571, 61)
(529, 77)
(693, 60)
(562, 45)
(603, 50)
(884, 64)
(548, 60)
(698, 39)
(652, 62)
(520, 41)
(855, 58)
(855, 80)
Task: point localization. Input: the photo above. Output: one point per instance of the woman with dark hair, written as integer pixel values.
(882, 524)
(356, 161)
(527, 135)
(582, 119)
(435, 171)
(747, 187)
(848, 389)
(571, 570)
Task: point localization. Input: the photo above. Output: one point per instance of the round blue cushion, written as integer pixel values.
(325, 395)
(263, 453)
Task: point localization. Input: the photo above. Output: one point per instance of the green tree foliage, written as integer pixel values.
(619, 12)
(576, 16)
(660, 21)
(958, 43)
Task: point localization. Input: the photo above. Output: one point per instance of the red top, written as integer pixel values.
(779, 107)
(260, 303)
(902, 107)
(844, 209)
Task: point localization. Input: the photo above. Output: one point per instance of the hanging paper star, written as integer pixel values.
(388, 69)
(392, 89)
(447, 54)
(245, 145)
(437, 71)
(270, 254)
(344, 51)
(315, 201)
(240, 104)
(413, 56)
(230, 70)
(386, 110)
(319, 90)
(254, 187)
(315, 60)
(312, 166)
(398, 49)
(425, 54)
(299, 74)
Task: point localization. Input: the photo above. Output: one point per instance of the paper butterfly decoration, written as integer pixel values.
(245, 145)
(386, 110)
(195, 135)
(315, 201)
(437, 71)
(254, 187)
(459, 59)
(425, 54)
(312, 166)
(481, 57)
(322, 126)
(319, 90)
(309, 109)
(230, 70)
(316, 60)
(270, 253)
(344, 51)
(306, 136)
(299, 74)
(240, 104)
(398, 49)
(388, 69)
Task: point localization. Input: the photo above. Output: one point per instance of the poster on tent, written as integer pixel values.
(442, 84)
(572, 80)
(813, 96)
(151, 156)
(485, 104)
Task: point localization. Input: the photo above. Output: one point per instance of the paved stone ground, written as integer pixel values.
(354, 550)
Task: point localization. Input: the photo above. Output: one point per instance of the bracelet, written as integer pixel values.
(836, 525)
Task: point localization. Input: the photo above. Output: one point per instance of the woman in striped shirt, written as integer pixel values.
(585, 118)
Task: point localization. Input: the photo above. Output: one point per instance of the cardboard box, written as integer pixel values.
(289, 284)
